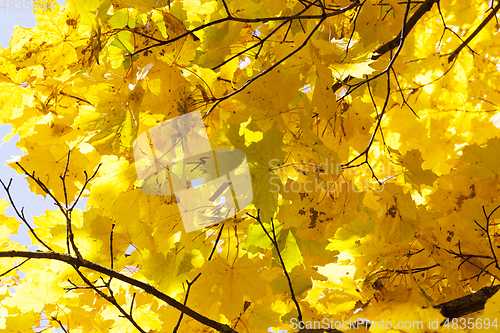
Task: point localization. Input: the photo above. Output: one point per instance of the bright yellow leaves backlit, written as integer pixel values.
(374, 169)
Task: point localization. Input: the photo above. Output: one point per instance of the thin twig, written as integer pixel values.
(21, 215)
(63, 178)
(13, 268)
(487, 230)
(111, 244)
(274, 240)
(386, 71)
(353, 30)
(60, 324)
(176, 328)
(110, 298)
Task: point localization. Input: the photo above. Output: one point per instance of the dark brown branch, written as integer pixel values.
(14, 268)
(176, 328)
(468, 304)
(453, 309)
(132, 304)
(424, 8)
(60, 324)
(216, 242)
(478, 29)
(111, 245)
(131, 281)
(227, 9)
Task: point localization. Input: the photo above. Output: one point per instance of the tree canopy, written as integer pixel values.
(371, 132)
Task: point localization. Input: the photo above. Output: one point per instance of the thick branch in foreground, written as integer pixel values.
(131, 281)
(468, 304)
(424, 8)
(453, 309)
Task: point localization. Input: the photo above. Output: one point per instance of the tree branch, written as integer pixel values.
(21, 214)
(274, 240)
(478, 29)
(424, 8)
(322, 16)
(253, 79)
(453, 309)
(63, 257)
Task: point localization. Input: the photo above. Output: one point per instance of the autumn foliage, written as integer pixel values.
(372, 134)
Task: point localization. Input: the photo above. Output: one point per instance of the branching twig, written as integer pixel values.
(110, 298)
(87, 180)
(372, 139)
(353, 30)
(456, 308)
(447, 28)
(185, 301)
(386, 71)
(487, 230)
(196, 278)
